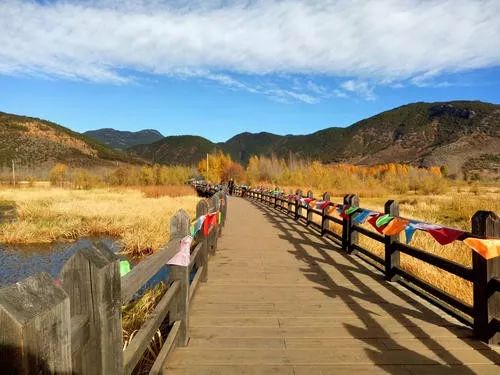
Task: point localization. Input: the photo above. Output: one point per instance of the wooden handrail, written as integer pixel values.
(145, 270)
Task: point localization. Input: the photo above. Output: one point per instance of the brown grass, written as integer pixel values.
(134, 315)
(166, 191)
(52, 214)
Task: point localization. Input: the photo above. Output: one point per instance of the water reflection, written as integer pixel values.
(21, 261)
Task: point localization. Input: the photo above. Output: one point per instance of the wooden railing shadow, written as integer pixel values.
(348, 268)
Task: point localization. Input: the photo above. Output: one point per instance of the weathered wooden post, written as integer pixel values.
(224, 207)
(352, 235)
(202, 209)
(298, 209)
(179, 228)
(308, 210)
(91, 278)
(345, 225)
(218, 208)
(35, 334)
(486, 300)
(214, 232)
(391, 259)
(325, 222)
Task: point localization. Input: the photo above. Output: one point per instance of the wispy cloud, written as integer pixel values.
(363, 89)
(367, 41)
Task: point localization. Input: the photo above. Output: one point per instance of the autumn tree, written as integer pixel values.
(58, 174)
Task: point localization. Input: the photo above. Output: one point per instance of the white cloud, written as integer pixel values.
(363, 89)
(368, 41)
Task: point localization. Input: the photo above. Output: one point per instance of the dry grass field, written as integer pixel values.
(46, 215)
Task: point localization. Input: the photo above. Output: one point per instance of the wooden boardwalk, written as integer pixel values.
(282, 300)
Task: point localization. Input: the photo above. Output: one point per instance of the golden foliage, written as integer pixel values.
(220, 168)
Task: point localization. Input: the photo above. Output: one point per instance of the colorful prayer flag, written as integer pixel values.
(361, 217)
(183, 256)
(445, 235)
(487, 248)
(124, 267)
(394, 227)
(351, 210)
(383, 220)
(210, 220)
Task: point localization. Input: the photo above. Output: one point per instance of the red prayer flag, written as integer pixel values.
(210, 221)
(445, 235)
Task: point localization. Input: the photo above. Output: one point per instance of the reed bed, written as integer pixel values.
(46, 215)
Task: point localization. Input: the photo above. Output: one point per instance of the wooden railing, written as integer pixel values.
(73, 324)
(483, 315)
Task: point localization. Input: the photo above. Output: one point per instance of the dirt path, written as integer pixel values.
(282, 300)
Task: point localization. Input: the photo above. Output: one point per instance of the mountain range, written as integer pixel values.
(124, 139)
(464, 135)
(459, 134)
(36, 143)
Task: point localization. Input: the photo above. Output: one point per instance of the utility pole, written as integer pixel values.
(13, 173)
(207, 167)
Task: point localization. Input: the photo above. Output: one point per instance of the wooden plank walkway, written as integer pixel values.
(282, 300)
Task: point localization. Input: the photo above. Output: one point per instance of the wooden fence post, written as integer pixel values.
(224, 208)
(214, 233)
(308, 210)
(345, 225)
(202, 209)
(298, 209)
(35, 335)
(486, 300)
(179, 228)
(352, 236)
(91, 278)
(325, 223)
(218, 207)
(392, 256)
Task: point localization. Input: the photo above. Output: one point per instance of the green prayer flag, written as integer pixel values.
(124, 267)
(351, 210)
(384, 219)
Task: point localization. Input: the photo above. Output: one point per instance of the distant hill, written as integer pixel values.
(181, 149)
(459, 134)
(33, 142)
(124, 139)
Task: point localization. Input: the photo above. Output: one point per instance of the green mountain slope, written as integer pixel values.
(33, 142)
(182, 149)
(451, 133)
(123, 139)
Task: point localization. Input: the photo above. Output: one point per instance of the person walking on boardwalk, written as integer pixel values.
(230, 186)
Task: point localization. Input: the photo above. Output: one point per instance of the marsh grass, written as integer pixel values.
(134, 315)
(53, 214)
(166, 191)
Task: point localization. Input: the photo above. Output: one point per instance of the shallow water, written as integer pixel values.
(18, 262)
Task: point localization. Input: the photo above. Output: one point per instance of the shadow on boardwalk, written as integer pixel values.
(424, 322)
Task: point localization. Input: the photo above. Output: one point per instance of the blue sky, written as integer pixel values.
(218, 68)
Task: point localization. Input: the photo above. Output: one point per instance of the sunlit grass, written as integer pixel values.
(47, 215)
